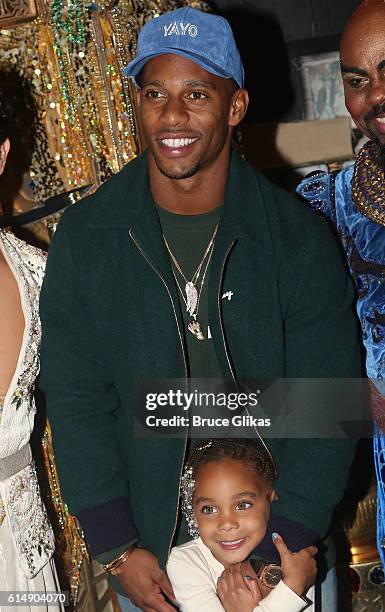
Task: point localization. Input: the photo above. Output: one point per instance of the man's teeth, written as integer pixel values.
(176, 143)
(380, 119)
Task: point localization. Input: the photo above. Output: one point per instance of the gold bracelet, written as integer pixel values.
(115, 563)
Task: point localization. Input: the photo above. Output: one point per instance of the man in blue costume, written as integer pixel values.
(354, 200)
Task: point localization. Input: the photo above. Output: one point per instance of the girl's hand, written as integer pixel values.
(299, 569)
(236, 593)
(248, 570)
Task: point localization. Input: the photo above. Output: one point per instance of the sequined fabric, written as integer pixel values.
(20, 494)
(379, 463)
(363, 240)
(70, 543)
(377, 405)
(354, 200)
(12, 578)
(368, 186)
(2, 511)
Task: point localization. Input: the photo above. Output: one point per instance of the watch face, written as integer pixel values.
(271, 575)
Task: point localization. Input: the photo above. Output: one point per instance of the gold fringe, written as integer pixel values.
(71, 549)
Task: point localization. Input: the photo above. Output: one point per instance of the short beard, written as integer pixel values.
(187, 174)
(376, 112)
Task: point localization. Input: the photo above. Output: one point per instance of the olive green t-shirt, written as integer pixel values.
(188, 237)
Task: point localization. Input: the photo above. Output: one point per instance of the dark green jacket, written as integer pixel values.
(111, 317)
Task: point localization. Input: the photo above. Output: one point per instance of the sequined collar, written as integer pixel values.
(368, 186)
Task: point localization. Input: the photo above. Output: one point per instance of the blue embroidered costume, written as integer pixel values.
(354, 201)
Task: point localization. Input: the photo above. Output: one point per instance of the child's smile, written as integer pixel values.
(232, 544)
(232, 507)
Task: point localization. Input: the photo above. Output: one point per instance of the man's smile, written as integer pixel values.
(379, 123)
(177, 143)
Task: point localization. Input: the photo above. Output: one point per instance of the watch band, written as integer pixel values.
(270, 574)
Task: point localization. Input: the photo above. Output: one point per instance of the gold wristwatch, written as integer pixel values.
(270, 574)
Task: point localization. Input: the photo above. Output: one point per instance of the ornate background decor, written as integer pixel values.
(72, 55)
(14, 12)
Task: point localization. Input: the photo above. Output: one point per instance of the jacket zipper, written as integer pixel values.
(220, 315)
(228, 358)
(186, 375)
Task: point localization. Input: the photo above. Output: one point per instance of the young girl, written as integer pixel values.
(227, 489)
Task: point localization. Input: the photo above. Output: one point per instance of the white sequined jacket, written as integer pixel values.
(19, 494)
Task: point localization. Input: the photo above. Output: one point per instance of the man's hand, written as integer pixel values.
(236, 593)
(144, 582)
(299, 569)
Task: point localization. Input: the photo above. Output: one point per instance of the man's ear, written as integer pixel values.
(239, 104)
(4, 150)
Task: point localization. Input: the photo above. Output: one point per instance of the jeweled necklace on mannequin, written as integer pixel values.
(194, 287)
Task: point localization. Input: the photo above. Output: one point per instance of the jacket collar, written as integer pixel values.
(126, 201)
(121, 199)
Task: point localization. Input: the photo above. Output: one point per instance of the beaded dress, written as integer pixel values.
(26, 537)
(354, 200)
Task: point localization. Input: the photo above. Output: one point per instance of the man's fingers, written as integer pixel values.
(280, 545)
(156, 603)
(163, 606)
(283, 549)
(252, 585)
(166, 587)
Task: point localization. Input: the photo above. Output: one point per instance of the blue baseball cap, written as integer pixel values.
(204, 38)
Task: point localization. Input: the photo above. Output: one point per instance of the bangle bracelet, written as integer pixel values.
(115, 563)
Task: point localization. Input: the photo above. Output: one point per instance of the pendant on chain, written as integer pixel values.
(191, 298)
(195, 328)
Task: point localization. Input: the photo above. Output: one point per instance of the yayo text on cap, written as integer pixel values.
(204, 38)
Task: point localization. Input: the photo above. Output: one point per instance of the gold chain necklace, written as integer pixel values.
(368, 185)
(190, 289)
(192, 299)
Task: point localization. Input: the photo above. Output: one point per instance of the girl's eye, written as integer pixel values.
(243, 505)
(209, 510)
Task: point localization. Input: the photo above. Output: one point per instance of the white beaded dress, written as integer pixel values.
(26, 537)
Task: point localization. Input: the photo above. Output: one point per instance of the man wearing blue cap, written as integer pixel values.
(186, 264)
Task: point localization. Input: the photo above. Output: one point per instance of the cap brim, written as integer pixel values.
(136, 65)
